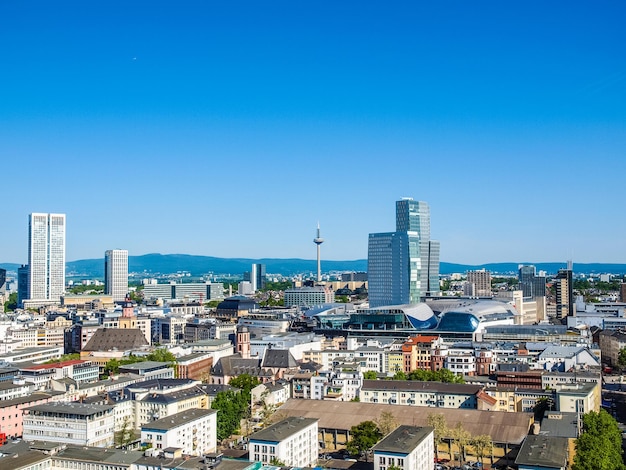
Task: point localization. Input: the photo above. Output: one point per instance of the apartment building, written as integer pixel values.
(193, 431)
(406, 448)
(434, 394)
(292, 441)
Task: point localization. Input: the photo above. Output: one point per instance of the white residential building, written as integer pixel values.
(116, 274)
(194, 431)
(406, 448)
(71, 423)
(292, 441)
(410, 392)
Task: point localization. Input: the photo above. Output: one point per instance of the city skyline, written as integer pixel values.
(509, 119)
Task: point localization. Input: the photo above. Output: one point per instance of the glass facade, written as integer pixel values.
(403, 265)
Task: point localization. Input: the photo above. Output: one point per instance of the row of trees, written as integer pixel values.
(441, 375)
(482, 445)
(366, 434)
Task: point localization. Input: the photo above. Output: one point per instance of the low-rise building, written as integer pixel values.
(193, 431)
(543, 452)
(71, 423)
(292, 442)
(149, 370)
(406, 448)
(11, 416)
(410, 392)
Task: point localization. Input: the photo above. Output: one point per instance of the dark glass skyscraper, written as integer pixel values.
(531, 285)
(403, 265)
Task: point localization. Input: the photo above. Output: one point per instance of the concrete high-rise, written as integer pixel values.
(481, 280)
(46, 256)
(403, 265)
(116, 274)
(564, 287)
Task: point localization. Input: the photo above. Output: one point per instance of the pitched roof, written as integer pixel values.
(418, 386)
(502, 426)
(279, 358)
(230, 366)
(116, 339)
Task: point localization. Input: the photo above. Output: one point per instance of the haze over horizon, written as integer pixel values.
(231, 130)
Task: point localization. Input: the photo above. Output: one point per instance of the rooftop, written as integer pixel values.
(176, 420)
(144, 365)
(543, 451)
(415, 385)
(403, 440)
(503, 427)
(283, 429)
(80, 409)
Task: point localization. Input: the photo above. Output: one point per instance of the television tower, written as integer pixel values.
(318, 241)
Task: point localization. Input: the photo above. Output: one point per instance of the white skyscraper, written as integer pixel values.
(116, 274)
(46, 256)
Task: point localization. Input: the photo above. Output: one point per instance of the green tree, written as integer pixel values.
(363, 437)
(621, 357)
(63, 358)
(125, 435)
(244, 382)
(112, 367)
(370, 375)
(231, 407)
(386, 422)
(599, 447)
(438, 422)
(400, 375)
(11, 304)
(462, 439)
(483, 445)
(161, 355)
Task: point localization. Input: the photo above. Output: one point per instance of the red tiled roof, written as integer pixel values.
(56, 365)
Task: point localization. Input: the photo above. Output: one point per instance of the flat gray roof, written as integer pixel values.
(178, 419)
(81, 409)
(418, 386)
(403, 439)
(283, 429)
(543, 451)
(145, 365)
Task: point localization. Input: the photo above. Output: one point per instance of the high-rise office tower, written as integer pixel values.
(481, 280)
(22, 284)
(564, 287)
(531, 285)
(46, 256)
(257, 277)
(116, 274)
(3, 281)
(403, 265)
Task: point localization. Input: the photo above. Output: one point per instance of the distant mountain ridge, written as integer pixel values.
(155, 263)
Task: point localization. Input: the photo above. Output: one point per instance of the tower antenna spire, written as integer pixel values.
(318, 241)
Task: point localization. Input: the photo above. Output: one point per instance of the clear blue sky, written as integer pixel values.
(231, 128)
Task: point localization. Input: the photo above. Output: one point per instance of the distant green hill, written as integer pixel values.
(155, 263)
